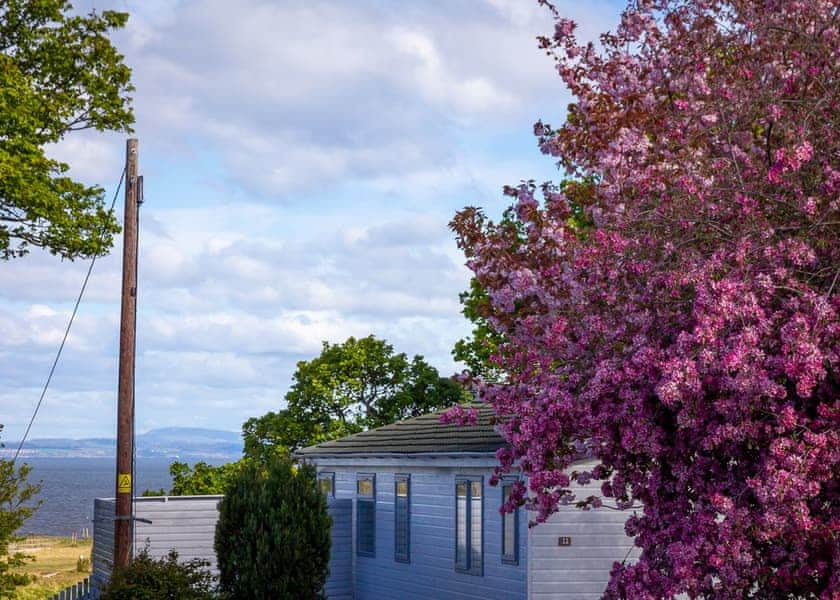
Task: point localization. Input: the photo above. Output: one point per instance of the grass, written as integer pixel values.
(54, 567)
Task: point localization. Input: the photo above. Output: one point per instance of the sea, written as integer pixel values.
(69, 486)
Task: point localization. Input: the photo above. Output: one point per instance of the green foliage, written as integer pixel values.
(361, 384)
(423, 390)
(202, 478)
(150, 579)
(484, 341)
(340, 391)
(59, 73)
(350, 387)
(273, 533)
(274, 434)
(15, 507)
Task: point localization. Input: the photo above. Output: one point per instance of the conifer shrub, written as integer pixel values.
(273, 533)
(147, 578)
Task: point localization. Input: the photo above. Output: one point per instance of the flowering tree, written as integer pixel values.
(688, 337)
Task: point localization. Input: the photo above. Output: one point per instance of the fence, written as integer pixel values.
(183, 523)
(188, 525)
(79, 591)
(34, 541)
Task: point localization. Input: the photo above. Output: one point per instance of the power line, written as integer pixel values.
(66, 333)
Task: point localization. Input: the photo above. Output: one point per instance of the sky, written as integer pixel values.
(301, 162)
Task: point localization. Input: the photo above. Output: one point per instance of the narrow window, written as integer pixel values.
(468, 526)
(365, 515)
(476, 528)
(402, 519)
(462, 562)
(326, 482)
(510, 529)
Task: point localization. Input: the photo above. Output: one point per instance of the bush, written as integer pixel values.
(273, 534)
(164, 579)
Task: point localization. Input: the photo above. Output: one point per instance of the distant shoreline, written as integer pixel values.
(170, 443)
(6, 454)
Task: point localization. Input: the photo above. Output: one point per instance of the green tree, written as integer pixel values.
(361, 384)
(15, 507)
(483, 342)
(202, 478)
(273, 533)
(150, 579)
(59, 74)
(421, 392)
(274, 434)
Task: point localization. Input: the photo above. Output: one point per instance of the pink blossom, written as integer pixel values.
(687, 335)
(459, 415)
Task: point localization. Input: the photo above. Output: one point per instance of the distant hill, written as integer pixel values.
(185, 443)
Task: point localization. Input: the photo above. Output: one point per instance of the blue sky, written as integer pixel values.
(301, 163)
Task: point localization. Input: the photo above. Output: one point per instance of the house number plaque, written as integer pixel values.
(564, 541)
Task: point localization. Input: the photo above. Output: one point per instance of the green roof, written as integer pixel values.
(420, 435)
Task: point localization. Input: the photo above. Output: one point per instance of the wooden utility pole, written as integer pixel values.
(123, 523)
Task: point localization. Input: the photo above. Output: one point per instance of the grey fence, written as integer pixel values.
(80, 591)
(186, 524)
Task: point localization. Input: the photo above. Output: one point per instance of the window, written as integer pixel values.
(468, 525)
(326, 483)
(402, 519)
(510, 529)
(365, 514)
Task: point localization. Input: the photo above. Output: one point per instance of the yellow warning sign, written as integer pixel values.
(124, 483)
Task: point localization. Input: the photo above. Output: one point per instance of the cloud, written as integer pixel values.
(300, 96)
(92, 156)
(308, 96)
(440, 86)
(234, 315)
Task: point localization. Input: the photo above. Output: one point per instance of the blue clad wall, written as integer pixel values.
(339, 584)
(431, 570)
